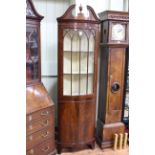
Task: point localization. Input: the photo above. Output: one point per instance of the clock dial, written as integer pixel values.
(118, 32)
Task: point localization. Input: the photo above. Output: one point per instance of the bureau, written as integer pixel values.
(40, 139)
(39, 121)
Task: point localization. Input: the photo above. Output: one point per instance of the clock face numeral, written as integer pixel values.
(118, 32)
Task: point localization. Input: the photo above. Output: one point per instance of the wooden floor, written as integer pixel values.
(98, 151)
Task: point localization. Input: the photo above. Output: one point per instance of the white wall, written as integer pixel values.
(102, 5)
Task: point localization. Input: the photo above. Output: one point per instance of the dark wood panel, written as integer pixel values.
(104, 54)
(116, 75)
(37, 98)
(78, 125)
(111, 129)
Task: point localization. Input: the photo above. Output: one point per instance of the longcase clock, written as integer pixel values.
(78, 40)
(39, 106)
(114, 41)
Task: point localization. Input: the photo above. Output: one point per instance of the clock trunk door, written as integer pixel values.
(115, 84)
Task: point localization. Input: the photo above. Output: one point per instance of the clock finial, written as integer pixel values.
(80, 8)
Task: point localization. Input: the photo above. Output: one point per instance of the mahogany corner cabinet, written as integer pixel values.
(78, 45)
(39, 106)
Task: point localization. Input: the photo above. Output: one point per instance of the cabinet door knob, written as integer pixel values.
(45, 134)
(115, 87)
(30, 127)
(31, 151)
(45, 149)
(30, 117)
(45, 123)
(31, 137)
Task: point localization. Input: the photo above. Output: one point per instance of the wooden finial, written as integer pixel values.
(80, 8)
(80, 14)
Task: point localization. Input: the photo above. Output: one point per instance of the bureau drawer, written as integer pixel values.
(45, 148)
(41, 114)
(40, 124)
(38, 137)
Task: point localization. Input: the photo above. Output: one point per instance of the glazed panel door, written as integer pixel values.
(32, 54)
(116, 84)
(78, 62)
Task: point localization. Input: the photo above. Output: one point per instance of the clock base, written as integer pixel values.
(106, 144)
(105, 133)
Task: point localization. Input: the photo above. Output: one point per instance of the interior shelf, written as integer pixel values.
(78, 84)
(75, 52)
(79, 63)
(31, 41)
(77, 73)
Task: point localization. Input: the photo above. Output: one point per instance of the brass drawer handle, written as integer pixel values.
(45, 123)
(45, 134)
(45, 149)
(31, 137)
(30, 127)
(30, 117)
(44, 113)
(31, 151)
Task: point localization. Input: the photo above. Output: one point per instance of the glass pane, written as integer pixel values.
(67, 52)
(78, 62)
(75, 62)
(91, 63)
(83, 58)
(84, 52)
(84, 41)
(75, 52)
(67, 84)
(76, 42)
(32, 58)
(91, 53)
(67, 62)
(91, 42)
(75, 85)
(83, 84)
(67, 41)
(90, 83)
